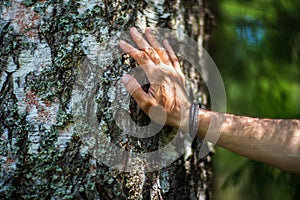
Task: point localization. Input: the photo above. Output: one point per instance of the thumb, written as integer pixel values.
(136, 91)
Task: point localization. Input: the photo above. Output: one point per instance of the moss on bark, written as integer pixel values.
(41, 154)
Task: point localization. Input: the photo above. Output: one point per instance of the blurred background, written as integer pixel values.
(256, 46)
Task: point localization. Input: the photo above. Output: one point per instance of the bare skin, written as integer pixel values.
(272, 141)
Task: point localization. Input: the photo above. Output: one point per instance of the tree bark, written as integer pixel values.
(47, 48)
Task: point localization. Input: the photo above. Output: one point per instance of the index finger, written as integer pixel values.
(145, 46)
(139, 56)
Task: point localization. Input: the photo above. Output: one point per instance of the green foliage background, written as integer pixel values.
(256, 46)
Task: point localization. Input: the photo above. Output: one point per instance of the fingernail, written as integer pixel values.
(125, 79)
(134, 29)
(122, 43)
(165, 42)
(149, 30)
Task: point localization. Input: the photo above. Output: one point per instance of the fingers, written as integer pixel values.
(174, 59)
(158, 47)
(171, 54)
(138, 38)
(144, 101)
(139, 56)
(144, 45)
(151, 54)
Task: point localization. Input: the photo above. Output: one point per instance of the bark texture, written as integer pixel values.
(42, 152)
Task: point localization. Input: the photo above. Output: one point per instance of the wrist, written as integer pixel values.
(204, 117)
(183, 120)
(203, 121)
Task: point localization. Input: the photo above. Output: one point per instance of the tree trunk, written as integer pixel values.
(59, 87)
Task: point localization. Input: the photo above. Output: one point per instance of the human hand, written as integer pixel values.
(166, 101)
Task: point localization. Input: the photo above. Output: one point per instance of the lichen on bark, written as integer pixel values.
(43, 154)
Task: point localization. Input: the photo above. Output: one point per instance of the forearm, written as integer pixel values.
(274, 142)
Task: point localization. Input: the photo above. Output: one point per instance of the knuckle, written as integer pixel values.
(166, 58)
(149, 51)
(164, 55)
(174, 58)
(143, 55)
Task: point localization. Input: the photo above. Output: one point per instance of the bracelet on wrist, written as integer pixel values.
(193, 129)
(193, 120)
